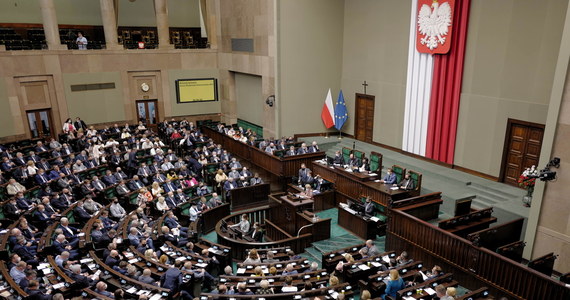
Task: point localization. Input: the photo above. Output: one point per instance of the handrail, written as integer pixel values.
(485, 265)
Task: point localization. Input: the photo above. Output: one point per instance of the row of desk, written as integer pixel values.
(354, 185)
(278, 166)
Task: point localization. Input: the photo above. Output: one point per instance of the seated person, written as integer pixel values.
(395, 284)
(338, 159)
(369, 206)
(390, 177)
(407, 183)
(353, 162)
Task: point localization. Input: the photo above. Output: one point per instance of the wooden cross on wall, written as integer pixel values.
(365, 85)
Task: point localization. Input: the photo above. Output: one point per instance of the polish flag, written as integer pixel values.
(327, 114)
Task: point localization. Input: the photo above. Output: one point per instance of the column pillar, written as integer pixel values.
(108, 15)
(51, 28)
(161, 11)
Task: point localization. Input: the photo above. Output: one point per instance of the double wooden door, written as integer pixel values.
(364, 121)
(147, 111)
(522, 149)
(40, 123)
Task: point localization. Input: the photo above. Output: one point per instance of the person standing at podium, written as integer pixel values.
(243, 225)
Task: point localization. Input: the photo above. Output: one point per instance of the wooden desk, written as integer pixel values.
(213, 215)
(249, 196)
(284, 211)
(280, 166)
(352, 184)
(365, 229)
(323, 201)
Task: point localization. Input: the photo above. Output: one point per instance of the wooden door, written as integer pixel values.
(147, 112)
(522, 149)
(40, 124)
(364, 121)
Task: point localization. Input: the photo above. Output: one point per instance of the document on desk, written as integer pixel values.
(132, 261)
(429, 291)
(372, 174)
(155, 297)
(375, 219)
(363, 267)
(394, 188)
(86, 260)
(58, 285)
(240, 271)
(376, 264)
(424, 276)
(408, 298)
(386, 258)
(81, 234)
(42, 266)
(131, 290)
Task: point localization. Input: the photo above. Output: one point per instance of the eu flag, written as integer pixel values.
(340, 113)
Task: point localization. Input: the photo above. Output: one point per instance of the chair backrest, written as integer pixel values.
(346, 153)
(375, 162)
(417, 178)
(399, 171)
(358, 154)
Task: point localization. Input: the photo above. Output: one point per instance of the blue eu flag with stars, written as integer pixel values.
(340, 113)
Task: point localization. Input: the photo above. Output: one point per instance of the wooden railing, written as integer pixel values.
(279, 166)
(239, 246)
(275, 233)
(428, 242)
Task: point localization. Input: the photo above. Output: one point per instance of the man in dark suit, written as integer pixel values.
(80, 280)
(229, 185)
(169, 186)
(172, 278)
(113, 259)
(353, 162)
(34, 293)
(61, 245)
(407, 183)
(27, 253)
(109, 179)
(135, 184)
(120, 175)
(338, 159)
(79, 124)
(11, 210)
(172, 223)
(314, 147)
(42, 216)
(80, 213)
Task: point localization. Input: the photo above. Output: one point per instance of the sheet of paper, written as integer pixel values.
(374, 219)
(429, 291)
(394, 188)
(372, 174)
(363, 267)
(377, 180)
(131, 290)
(408, 298)
(155, 297)
(132, 261)
(386, 258)
(289, 289)
(86, 260)
(43, 266)
(58, 285)
(376, 264)
(81, 234)
(46, 271)
(424, 276)
(240, 271)
(201, 265)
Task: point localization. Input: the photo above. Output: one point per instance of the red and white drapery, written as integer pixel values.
(433, 91)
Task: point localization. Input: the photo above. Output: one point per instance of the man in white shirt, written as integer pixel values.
(81, 41)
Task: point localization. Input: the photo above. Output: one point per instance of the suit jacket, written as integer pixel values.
(171, 279)
(67, 233)
(42, 217)
(135, 185)
(12, 211)
(257, 235)
(230, 186)
(390, 179)
(81, 213)
(169, 187)
(122, 189)
(60, 247)
(24, 252)
(110, 179)
(38, 295)
(171, 222)
(12, 189)
(369, 209)
(407, 184)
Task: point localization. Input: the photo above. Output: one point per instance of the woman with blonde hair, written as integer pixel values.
(333, 280)
(220, 178)
(365, 295)
(308, 191)
(156, 189)
(258, 272)
(395, 284)
(32, 169)
(161, 205)
(149, 254)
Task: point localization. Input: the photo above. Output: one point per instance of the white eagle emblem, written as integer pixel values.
(434, 25)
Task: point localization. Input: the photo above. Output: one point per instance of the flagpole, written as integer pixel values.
(340, 135)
